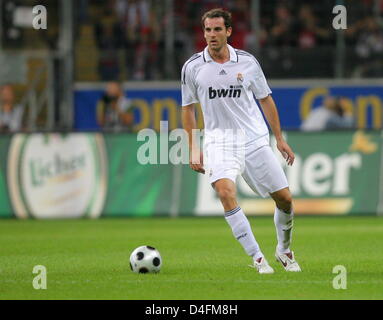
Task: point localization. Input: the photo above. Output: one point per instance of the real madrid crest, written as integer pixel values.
(240, 78)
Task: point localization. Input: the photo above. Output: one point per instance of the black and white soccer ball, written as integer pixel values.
(145, 259)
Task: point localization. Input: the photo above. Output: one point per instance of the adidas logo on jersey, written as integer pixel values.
(232, 92)
(222, 73)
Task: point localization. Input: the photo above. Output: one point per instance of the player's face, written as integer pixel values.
(216, 33)
(6, 94)
(113, 89)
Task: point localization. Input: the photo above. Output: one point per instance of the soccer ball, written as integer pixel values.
(145, 259)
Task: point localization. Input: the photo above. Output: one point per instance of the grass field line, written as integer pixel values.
(271, 281)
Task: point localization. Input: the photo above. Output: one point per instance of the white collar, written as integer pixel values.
(233, 54)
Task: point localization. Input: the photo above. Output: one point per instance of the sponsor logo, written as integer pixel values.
(57, 175)
(223, 73)
(232, 92)
(284, 263)
(242, 236)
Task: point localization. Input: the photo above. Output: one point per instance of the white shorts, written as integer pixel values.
(259, 168)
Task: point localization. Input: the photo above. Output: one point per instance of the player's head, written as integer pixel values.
(113, 89)
(329, 102)
(216, 25)
(6, 94)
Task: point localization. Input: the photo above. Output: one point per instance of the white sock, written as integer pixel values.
(242, 232)
(284, 226)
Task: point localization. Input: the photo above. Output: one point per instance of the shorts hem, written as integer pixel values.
(213, 180)
(278, 189)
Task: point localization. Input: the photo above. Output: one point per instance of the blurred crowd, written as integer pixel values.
(132, 37)
(114, 110)
(290, 34)
(335, 113)
(11, 113)
(292, 39)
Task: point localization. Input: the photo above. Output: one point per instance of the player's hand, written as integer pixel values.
(286, 151)
(115, 106)
(196, 161)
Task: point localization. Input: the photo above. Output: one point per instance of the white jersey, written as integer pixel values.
(226, 94)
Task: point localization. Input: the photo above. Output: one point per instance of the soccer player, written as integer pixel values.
(225, 80)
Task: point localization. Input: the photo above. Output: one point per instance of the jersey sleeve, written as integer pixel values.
(259, 84)
(188, 88)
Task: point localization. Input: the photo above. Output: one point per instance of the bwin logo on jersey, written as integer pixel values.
(232, 92)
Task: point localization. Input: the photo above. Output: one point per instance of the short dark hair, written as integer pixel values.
(217, 13)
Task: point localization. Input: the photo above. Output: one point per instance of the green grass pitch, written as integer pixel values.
(88, 259)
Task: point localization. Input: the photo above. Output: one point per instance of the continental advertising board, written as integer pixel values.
(92, 175)
(151, 105)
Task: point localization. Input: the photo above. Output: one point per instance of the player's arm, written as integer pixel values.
(124, 110)
(271, 113)
(100, 113)
(126, 117)
(189, 123)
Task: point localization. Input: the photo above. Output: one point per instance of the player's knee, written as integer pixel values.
(225, 193)
(284, 201)
(287, 199)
